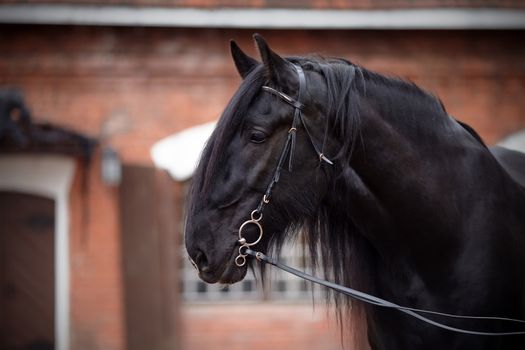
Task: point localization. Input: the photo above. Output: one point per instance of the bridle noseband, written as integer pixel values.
(288, 151)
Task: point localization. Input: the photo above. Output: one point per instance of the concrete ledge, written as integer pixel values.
(442, 18)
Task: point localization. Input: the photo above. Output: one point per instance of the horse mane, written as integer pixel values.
(334, 242)
(336, 245)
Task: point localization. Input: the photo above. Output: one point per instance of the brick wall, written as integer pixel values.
(136, 85)
(97, 315)
(259, 327)
(144, 84)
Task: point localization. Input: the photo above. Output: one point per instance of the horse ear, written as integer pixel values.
(279, 70)
(243, 62)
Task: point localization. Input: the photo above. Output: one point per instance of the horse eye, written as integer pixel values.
(257, 136)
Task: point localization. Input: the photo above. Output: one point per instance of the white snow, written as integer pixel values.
(179, 153)
(515, 141)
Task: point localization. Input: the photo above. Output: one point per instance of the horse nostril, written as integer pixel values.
(201, 261)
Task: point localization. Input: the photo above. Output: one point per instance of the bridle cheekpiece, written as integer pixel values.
(287, 152)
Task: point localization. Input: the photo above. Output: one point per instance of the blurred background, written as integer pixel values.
(96, 98)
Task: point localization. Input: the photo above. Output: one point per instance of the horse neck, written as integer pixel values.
(403, 179)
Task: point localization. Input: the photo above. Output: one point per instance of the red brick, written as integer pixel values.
(258, 326)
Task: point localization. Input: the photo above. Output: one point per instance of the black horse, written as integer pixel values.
(414, 209)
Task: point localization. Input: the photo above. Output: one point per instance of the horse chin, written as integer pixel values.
(233, 274)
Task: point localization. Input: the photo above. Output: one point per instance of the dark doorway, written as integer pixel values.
(27, 272)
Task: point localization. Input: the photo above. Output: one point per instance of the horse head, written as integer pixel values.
(259, 131)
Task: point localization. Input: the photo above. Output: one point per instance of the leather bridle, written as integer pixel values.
(257, 214)
(287, 152)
